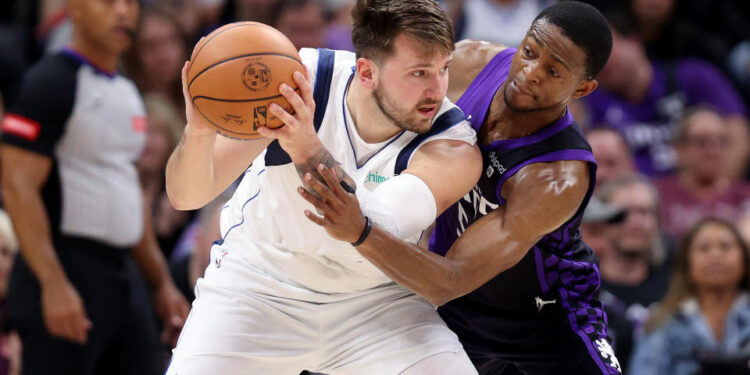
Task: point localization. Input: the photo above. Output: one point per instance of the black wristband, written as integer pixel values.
(365, 232)
(347, 188)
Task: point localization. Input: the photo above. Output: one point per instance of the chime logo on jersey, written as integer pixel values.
(376, 178)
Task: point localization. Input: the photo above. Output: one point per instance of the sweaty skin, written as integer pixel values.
(546, 73)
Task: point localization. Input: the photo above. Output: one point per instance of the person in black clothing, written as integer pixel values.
(70, 186)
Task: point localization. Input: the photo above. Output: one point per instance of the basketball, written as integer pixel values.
(235, 73)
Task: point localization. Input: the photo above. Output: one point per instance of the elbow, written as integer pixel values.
(180, 201)
(439, 300)
(445, 291)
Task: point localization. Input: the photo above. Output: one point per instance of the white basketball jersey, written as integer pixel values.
(263, 224)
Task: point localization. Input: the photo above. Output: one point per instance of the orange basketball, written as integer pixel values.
(235, 73)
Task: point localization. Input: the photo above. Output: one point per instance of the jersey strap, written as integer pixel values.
(275, 155)
(444, 122)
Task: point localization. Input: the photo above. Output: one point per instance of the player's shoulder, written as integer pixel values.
(342, 61)
(473, 55)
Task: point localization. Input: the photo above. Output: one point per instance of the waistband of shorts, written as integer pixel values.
(92, 248)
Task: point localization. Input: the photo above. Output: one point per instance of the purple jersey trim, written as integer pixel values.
(581, 333)
(539, 136)
(584, 155)
(475, 101)
(75, 55)
(540, 270)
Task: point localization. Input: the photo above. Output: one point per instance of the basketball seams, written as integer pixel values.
(238, 100)
(240, 24)
(240, 57)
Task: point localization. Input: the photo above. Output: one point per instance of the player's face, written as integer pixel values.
(546, 72)
(109, 24)
(411, 85)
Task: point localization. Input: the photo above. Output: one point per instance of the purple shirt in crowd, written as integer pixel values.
(648, 126)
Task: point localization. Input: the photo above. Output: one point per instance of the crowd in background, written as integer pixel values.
(668, 125)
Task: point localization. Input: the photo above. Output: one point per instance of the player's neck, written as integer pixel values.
(101, 58)
(370, 122)
(504, 123)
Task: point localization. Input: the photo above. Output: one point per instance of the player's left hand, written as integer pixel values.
(172, 309)
(341, 216)
(297, 137)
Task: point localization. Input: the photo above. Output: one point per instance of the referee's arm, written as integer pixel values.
(31, 129)
(23, 175)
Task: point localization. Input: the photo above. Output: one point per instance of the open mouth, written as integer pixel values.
(428, 111)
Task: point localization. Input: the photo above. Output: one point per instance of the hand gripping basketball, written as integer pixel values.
(234, 75)
(298, 137)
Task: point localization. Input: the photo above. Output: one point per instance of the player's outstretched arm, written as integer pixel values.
(540, 198)
(204, 163)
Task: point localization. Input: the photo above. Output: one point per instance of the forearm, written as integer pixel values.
(31, 225)
(308, 163)
(428, 274)
(479, 254)
(190, 170)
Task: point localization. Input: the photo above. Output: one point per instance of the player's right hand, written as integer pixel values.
(63, 312)
(195, 121)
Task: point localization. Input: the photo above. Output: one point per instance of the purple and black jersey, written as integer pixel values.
(542, 314)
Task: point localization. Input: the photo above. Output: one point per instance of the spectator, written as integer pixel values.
(498, 21)
(158, 53)
(338, 34)
(10, 343)
(302, 21)
(703, 324)
(245, 10)
(612, 155)
(637, 269)
(739, 67)
(71, 189)
(743, 226)
(188, 267)
(165, 128)
(598, 227)
(597, 224)
(702, 186)
(643, 99)
(668, 35)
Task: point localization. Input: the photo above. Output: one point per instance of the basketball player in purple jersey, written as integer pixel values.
(506, 264)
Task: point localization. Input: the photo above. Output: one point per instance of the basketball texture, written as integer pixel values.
(235, 73)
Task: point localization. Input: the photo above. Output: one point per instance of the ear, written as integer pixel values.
(587, 86)
(367, 73)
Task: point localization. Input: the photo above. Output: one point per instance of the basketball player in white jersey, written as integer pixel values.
(279, 294)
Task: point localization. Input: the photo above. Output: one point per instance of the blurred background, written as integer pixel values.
(668, 126)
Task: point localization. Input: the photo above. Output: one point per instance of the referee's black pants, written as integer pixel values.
(124, 337)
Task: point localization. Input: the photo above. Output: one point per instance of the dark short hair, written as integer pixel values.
(586, 27)
(377, 23)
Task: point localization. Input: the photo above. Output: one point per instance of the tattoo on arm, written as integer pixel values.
(325, 158)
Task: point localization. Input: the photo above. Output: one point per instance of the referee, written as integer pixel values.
(69, 183)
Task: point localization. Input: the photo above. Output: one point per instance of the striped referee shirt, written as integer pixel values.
(92, 124)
